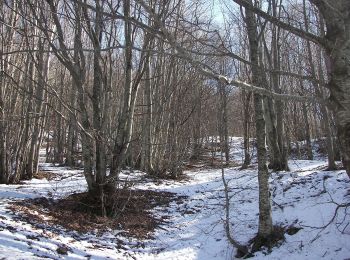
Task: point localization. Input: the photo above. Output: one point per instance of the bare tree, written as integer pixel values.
(336, 44)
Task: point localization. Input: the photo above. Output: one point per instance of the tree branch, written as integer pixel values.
(206, 70)
(296, 31)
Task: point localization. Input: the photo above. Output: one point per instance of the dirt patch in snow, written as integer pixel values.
(207, 162)
(45, 175)
(82, 213)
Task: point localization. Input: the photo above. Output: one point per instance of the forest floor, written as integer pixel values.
(177, 219)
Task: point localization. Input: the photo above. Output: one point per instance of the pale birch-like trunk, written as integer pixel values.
(265, 216)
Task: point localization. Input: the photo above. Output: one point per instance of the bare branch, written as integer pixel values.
(296, 31)
(206, 70)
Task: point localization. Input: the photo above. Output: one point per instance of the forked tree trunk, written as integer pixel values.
(276, 159)
(276, 84)
(125, 122)
(273, 109)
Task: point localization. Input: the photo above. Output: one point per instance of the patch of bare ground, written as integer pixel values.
(163, 177)
(82, 213)
(207, 162)
(45, 175)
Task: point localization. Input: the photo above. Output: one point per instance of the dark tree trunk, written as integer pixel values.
(337, 47)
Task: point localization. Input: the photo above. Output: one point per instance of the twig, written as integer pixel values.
(338, 207)
(241, 248)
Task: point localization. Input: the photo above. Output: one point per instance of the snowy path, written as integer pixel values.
(195, 229)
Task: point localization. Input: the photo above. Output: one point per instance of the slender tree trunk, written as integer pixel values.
(197, 142)
(276, 160)
(125, 122)
(307, 134)
(246, 128)
(265, 217)
(4, 171)
(223, 125)
(324, 110)
(274, 108)
(97, 104)
(147, 160)
(275, 79)
(72, 130)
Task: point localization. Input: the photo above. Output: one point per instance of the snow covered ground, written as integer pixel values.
(306, 197)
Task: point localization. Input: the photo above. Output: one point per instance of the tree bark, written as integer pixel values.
(223, 124)
(265, 216)
(246, 97)
(337, 48)
(307, 134)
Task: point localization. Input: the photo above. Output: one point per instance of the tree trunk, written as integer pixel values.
(72, 131)
(275, 79)
(307, 134)
(223, 126)
(197, 142)
(125, 122)
(318, 90)
(265, 216)
(97, 104)
(274, 108)
(276, 159)
(147, 147)
(246, 128)
(337, 47)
